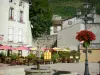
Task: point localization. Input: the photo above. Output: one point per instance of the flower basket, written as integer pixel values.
(85, 36)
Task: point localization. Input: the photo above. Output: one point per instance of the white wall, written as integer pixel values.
(73, 20)
(66, 37)
(52, 30)
(5, 23)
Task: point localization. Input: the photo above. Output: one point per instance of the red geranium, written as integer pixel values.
(85, 35)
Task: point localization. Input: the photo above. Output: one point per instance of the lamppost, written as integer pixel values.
(99, 67)
(88, 15)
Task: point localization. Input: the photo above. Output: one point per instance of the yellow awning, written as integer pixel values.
(34, 48)
(68, 50)
(58, 49)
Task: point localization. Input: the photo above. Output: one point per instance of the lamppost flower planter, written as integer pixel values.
(87, 37)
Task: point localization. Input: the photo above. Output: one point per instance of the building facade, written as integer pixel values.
(14, 23)
(57, 24)
(66, 37)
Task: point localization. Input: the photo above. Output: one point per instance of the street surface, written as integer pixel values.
(73, 67)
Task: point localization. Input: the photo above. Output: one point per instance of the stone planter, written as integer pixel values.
(34, 71)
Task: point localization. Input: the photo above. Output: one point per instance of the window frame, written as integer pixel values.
(21, 17)
(69, 22)
(10, 34)
(11, 13)
(20, 36)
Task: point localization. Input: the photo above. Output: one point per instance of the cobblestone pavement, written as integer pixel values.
(73, 67)
(76, 67)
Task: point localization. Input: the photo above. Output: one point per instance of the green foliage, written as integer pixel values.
(14, 56)
(42, 56)
(64, 54)
(67, 8)
(40, 17)
(2, 54)
(31, 56)
(74, 53)
(55, 56)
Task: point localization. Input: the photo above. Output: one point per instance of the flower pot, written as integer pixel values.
(86, 44)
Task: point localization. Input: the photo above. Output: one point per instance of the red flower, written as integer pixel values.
(85, 35)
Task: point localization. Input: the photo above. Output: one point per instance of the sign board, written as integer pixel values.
(47, 55)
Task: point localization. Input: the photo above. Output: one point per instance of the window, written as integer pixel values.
(10, 0)
(11, 14)
(21, 16)
(19, 53)
(20, 35)
(20, 3)
(69, 22)
(55, 29)
(10, 34)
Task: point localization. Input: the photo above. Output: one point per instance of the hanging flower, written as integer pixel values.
(85, 36)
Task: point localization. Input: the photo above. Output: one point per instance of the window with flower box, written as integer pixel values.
(10, 34)
(11, 14)
(20, 33)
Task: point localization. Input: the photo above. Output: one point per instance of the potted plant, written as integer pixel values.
(64, 55)
(31, 57)
(2, 57)
(55, 57)
(14, 56)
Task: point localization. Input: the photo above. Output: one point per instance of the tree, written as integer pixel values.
(40, 17)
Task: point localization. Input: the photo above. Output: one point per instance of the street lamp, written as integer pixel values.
(99, 68)
(88, 15)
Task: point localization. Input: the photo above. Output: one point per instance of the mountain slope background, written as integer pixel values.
(67, 8)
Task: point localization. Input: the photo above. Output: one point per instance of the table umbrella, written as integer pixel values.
(57, 49)
(6, 47)
(45, 49)
(22, 48)
(33, 48)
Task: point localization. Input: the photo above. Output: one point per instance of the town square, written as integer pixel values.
(49, 37)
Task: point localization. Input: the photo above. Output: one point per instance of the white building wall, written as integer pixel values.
(52, 30)
(5, 23)
(66, 37)
(66, 23)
